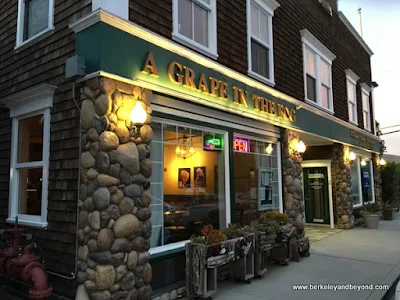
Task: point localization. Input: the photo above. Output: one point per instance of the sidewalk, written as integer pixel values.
(356, 256)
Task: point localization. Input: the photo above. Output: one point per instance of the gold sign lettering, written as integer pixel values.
(175, 77)
(150, 66)
(214, 86)
(362, 140)
(239, 96)
(185, 76)
(203, 84)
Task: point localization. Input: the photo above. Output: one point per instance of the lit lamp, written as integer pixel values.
(301, 147)
(363, 163)
(269, 149)
(138, 114)
(182, 152)
(352, 156)
(382, 162)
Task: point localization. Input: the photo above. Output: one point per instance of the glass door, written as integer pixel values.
(316, 194)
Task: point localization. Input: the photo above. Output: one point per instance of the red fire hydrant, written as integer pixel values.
(26, 266)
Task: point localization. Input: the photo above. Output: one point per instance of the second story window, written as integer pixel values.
(259, 39)
(351, 83)
(317, 72)
(35, 17)
(195, 25)
(366, 108)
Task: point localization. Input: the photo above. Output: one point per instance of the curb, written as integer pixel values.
(392, 278)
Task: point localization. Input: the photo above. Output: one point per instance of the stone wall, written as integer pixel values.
(341, 187)
(114, 218)
(292, 179)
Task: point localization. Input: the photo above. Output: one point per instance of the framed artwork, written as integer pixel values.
(184, 178)
(199, 176)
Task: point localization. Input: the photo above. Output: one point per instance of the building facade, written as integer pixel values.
(125, 128)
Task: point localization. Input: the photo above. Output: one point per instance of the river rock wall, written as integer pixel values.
(114, 216)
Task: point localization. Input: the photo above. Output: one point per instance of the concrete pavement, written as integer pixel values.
(356, 256)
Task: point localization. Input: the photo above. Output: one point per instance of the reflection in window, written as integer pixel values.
(256, 178)
(188, 190)
(30, 165)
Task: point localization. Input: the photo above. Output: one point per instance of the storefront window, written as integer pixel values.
(257, 177)
(361, 182)
(355, 183)
(366, 184)
(187, 183)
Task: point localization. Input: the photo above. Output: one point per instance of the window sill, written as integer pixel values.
(261, 78)
(353, 123)
(367, 129)
(31, 222)
(36, 38)
(161, 250)
(191, 44)
(316, 105)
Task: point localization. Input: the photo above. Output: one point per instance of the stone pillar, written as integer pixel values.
(292, 179)
(377, 180)
(341, 186)
(114, 216)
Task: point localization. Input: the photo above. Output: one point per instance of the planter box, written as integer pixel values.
(202, 262)
(387, 215)
(371, 220)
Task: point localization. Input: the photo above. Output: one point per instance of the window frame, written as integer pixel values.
(277, 144)
(268, 7)
(369, 160)
(366, 90)
(24, 104)
(180, 244)
(211, 50)
(352, 78)
(321, 52)
(21, 24)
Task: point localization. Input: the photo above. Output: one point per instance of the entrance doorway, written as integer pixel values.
(317, 192)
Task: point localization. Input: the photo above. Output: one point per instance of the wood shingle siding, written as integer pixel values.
(44, 61)
(289, 19)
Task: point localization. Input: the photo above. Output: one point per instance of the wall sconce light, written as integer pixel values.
(352, 156)
(363, 163)
(382, 162)
(138, 114)
(269, 149)
(301, 147)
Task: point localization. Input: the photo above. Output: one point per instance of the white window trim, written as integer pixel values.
(30, 102)
(211, 50)
(21, 21)
(268, 6)
(309, 40)
(365, 89)
(358, 162)
(353, 78)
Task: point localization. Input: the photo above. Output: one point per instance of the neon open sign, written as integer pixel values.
(241, 145)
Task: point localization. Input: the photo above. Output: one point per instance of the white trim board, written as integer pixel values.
(151, 37)
(327, 164)
(355, 33)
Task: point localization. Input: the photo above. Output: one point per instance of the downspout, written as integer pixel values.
(73, 274)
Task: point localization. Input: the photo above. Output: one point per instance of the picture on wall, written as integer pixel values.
(199, 176)
(184, 178)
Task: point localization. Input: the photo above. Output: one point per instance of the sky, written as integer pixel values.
(381, 26)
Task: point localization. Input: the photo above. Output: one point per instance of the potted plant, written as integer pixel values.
(387, 211)
(371, 214)
(214, 248)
